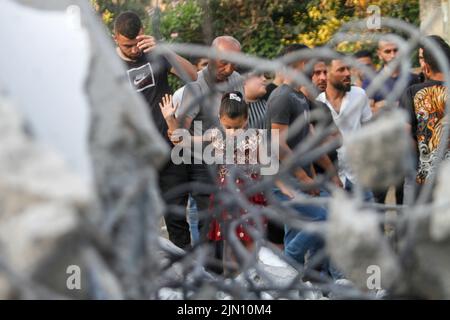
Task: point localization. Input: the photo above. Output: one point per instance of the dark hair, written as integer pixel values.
(428, 55)
(233, 105)
(339, 56)
(128, 24)
(248, 72)
(362, 54)
(293, 47)
(290, 49)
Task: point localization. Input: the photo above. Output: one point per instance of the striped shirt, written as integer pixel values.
(257, 114)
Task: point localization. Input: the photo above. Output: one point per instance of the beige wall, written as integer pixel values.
(440, 23)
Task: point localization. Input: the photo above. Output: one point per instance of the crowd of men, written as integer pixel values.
(339, 95)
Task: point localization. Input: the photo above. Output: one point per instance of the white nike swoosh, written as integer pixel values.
(139, 79)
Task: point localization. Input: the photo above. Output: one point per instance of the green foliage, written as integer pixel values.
(183, 22)
(262, 26)
(110, 9)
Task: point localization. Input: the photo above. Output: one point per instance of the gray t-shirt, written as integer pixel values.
(285, 105)
(201, 99)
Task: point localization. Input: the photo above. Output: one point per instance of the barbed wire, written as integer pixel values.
(127, 235)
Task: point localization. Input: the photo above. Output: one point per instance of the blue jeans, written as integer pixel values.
(193, 219)
(298, 242)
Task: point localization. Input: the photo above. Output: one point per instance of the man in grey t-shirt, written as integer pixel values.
(201, 102)
(201, 98)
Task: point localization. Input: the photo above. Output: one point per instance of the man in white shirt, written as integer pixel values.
(350, 108)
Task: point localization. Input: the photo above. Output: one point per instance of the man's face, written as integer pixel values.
(339, 75)
(201, 64)
(319, 76)
(290, 74)
(224, 69)
(387, 51)
(255, 86)
(367, 61)
(128, 46)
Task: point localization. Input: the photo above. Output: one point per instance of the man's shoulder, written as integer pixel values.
(193, 89)
(276, 94)
(413, 78)
(201, 80)
(322, 98)
(317, 104)
(285, 95)
(357, 91)
(414, 88)
(282, 91)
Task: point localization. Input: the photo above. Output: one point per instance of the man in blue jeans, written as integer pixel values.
(286, 105)
(298, 242)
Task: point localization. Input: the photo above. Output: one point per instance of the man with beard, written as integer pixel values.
(349, 108)
(321, 115)
(147, 74)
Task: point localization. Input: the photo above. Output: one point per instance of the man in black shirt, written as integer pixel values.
(148, 75)
(286, 103)
(285, 106)
(425, 103)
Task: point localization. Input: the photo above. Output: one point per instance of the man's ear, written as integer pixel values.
(379, 55)
(426, 69)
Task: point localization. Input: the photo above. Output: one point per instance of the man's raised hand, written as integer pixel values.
(146, 43)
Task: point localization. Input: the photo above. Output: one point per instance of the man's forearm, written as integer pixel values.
(185, 65)
(286, 153)
(325, 163)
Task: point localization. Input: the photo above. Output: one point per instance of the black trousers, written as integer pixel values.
(172, 177)
(200, 175)
(204, 175)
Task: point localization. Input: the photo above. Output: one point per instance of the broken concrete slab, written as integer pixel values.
(380, 152)
(356, 244)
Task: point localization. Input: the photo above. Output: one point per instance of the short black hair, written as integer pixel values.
(233, 105)
(339, 56)
(293, 47)
(290, 49)
(362, 54)
(428, 55)
(128, 24)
